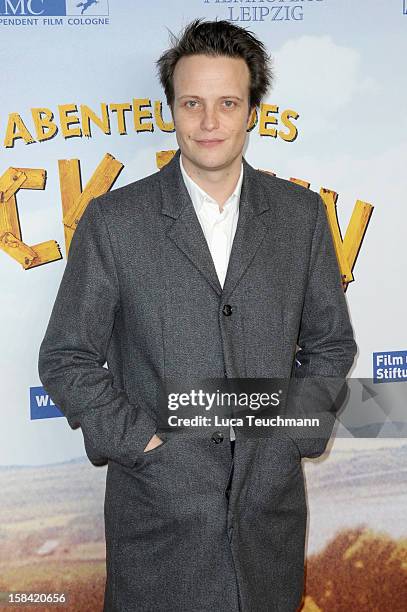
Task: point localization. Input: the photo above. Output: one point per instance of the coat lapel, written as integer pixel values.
(187, 234)
(251, 227)
(186, 231)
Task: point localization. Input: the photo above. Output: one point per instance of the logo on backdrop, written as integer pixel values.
(53, 12)
(390, 366)
(285, 11)
(41, 405)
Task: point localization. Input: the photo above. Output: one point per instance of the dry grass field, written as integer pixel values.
(52, 533)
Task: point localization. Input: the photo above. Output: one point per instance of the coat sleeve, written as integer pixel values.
(326, 341)
(74, 350)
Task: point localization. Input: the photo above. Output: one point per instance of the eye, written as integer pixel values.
(229, 103)
(191, 103)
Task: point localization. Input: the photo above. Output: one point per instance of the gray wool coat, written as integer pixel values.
(140, 294)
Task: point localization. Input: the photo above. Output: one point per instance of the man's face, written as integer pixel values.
(211, 109)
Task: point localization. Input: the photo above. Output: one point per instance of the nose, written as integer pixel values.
(210, 120)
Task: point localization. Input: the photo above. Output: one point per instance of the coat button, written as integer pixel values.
(217, 437)
(227, 310)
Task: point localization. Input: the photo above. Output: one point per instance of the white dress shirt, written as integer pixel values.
(218, 226)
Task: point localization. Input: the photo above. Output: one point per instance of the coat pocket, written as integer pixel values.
(156, 449)
(293, 445)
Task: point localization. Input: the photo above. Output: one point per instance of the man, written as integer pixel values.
(206, 269)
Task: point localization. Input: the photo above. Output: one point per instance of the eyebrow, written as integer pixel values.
(199, 97)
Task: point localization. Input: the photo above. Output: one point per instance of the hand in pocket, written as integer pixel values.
(153, 443)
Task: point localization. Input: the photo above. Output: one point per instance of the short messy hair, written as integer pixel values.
(218, 38)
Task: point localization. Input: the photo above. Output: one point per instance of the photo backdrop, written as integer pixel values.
(82, 112)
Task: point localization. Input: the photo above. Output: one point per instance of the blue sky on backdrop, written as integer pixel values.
(341, 68)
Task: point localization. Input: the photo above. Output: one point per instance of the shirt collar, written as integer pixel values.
(198, 195)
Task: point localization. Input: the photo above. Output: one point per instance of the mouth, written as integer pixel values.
(209, 143)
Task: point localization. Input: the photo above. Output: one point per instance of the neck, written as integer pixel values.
(219, 183)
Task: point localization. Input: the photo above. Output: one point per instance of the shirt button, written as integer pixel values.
(217, 437)
(227, 310)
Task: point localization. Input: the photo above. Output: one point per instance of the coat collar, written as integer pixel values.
(198, 195)
(187, 234)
